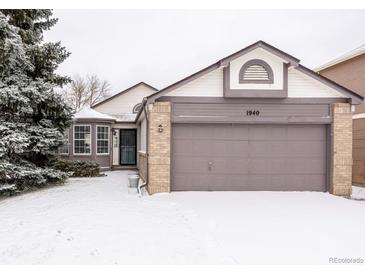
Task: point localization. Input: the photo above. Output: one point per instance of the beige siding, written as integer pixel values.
(209, 85)
(302, 86)
(124, 103)
(299, 86)
(116, 147)
(143, 135)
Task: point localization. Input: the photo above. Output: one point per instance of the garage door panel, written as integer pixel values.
(182, 147)
(238, 166)
(182, 132)
(236, 132)
(202, 147)
(305, 166)
(182, 164)
(228, 182)
(267, 149)
(183, 182)
(316, 182)
(276, 165)
(307, 133)
(228, 166)
(205, 133)
(259, 166)
(249, 157)
(307, 148)
(267, 133)
(233, 148)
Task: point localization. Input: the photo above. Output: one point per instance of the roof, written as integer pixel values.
(347, 56)
(122, 92)
(88, 113)
(259, 44)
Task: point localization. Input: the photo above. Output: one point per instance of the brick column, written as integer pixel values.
(341, 150)
(159, 148)
(142, 165)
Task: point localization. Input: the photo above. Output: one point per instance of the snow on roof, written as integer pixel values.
(88, 113)
(351, 54)
(125, 117)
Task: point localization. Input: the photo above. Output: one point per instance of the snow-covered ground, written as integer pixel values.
(98, 221)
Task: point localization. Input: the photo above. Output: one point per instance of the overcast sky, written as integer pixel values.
(162, 46)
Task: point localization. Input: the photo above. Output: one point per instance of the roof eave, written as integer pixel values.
(122, 92)
(340, 60)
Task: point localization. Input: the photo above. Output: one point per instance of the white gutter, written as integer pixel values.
(349, 55)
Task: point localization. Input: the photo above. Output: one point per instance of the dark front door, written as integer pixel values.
(128, 146)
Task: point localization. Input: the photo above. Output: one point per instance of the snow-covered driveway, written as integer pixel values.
(97, 221)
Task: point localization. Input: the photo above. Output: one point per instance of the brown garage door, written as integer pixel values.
(249, 157)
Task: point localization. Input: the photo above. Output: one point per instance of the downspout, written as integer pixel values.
(144, 103)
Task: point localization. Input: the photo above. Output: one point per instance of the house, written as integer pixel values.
(349, 71)
(107, 132)
(255, 120)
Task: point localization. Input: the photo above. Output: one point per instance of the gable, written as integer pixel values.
(257, 71)
(208, 85)
(125, 101)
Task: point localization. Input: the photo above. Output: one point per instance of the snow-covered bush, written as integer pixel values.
(76, 168)
(32, 116)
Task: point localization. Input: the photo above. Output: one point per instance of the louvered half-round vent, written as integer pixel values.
(256, 72)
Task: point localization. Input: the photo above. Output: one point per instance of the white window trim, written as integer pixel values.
(68, 144)
(73, 139)
(96, 140)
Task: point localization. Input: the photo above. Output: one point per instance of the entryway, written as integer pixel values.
(128, 146)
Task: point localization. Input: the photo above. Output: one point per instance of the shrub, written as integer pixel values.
(20, 177)
(76, 168)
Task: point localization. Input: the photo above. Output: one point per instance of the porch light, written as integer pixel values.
(160, 128)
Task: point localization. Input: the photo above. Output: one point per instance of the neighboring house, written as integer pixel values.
(254, 120)
(349, 71)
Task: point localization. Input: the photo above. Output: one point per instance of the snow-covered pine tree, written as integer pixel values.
(32, 116)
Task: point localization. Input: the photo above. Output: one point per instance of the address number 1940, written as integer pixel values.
(252, 112)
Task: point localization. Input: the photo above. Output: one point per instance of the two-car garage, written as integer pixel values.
(256, 120)
(250, 157)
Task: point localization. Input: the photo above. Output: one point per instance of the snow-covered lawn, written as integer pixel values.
(98, 221)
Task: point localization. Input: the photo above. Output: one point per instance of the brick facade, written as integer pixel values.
(142, 165)
(341, 149)
(159, 148)
(159, 160)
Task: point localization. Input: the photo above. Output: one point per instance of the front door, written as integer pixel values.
(128, 146)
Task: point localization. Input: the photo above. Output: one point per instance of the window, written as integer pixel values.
(63, 149)
(82, 139)
(137, 108)
(102, 139)
(256, 72)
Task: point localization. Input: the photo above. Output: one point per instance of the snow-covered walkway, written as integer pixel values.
(98, 221)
